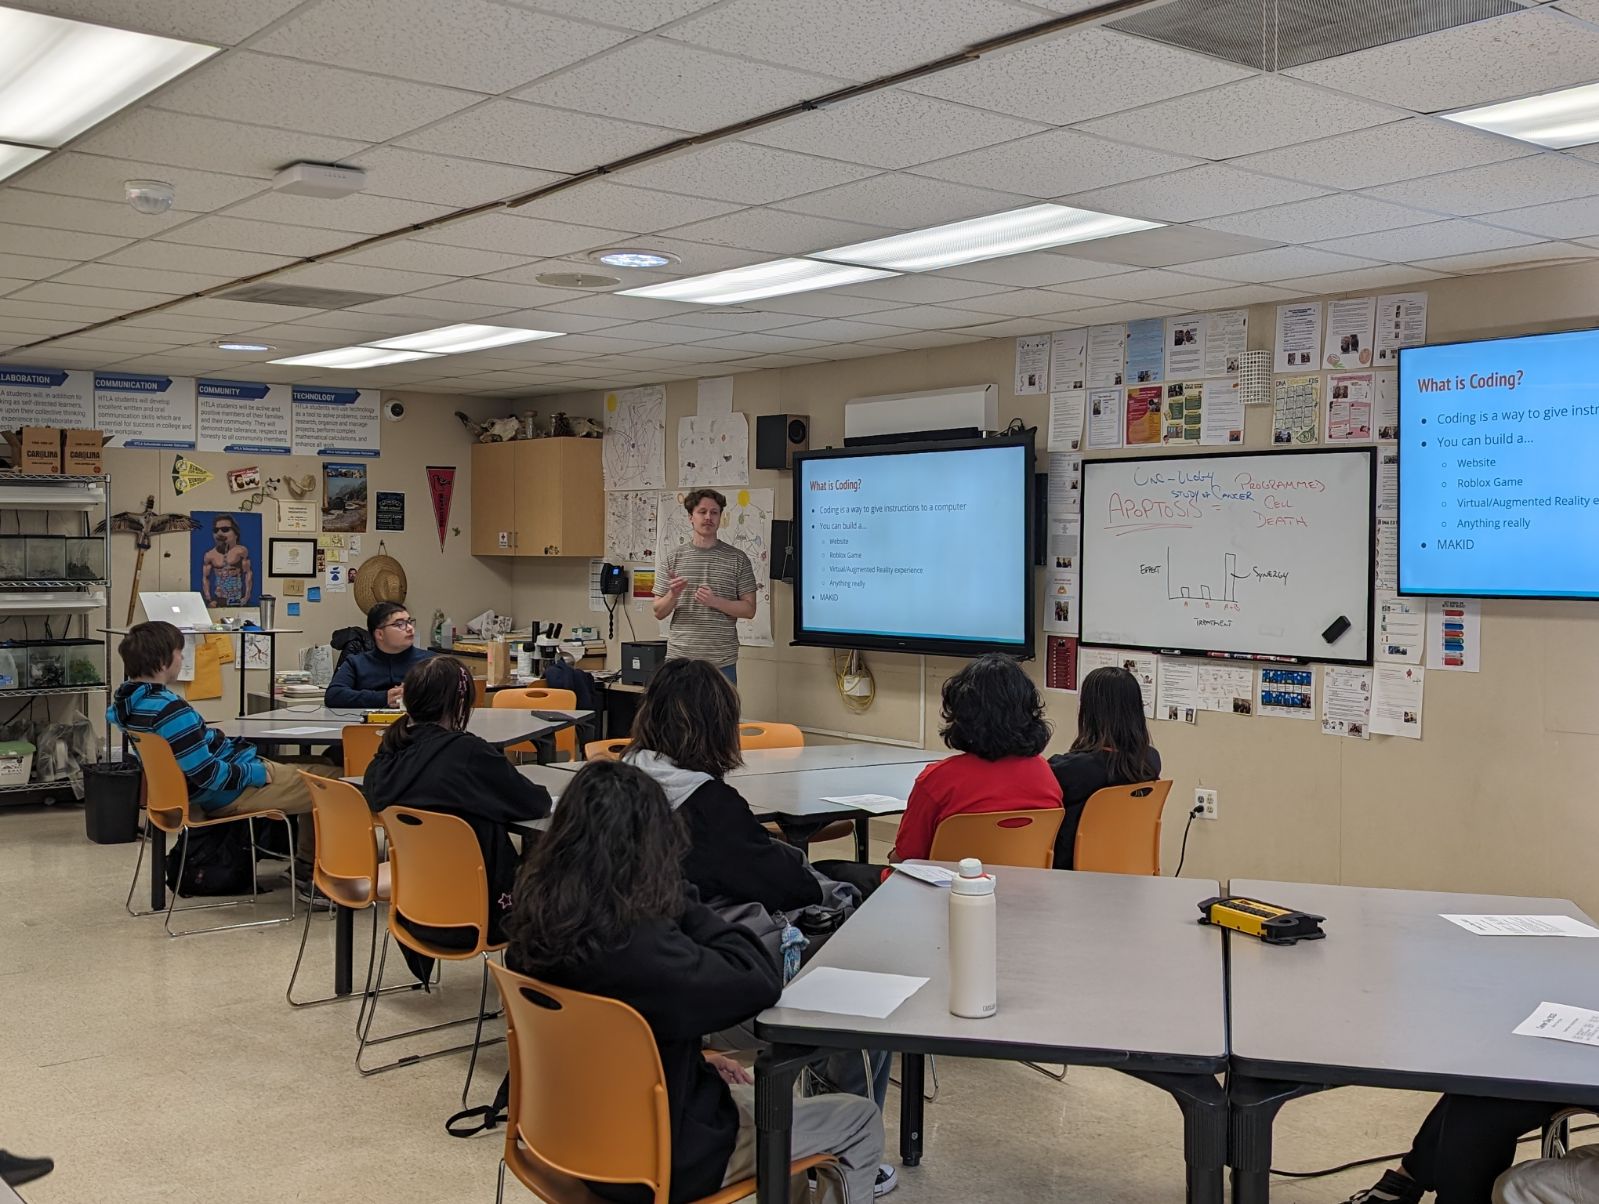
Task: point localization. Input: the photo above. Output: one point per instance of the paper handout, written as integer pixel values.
(850, 992)
(875, 804)
(1523, 925)
(1561, 1022)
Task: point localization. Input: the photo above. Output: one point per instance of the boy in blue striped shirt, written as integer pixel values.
(226, 777)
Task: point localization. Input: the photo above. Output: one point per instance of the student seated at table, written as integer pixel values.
(1112, 749)
(1573, 1179)
(428, 760)
(994, 719)
(374, 679)
(602, 908)
(226, 777)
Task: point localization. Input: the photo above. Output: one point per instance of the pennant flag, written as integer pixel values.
(441, 487)
(187, 475)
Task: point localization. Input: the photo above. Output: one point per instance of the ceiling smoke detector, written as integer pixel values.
(577, 280)
(150, 197)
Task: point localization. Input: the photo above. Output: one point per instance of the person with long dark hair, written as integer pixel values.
(1112, 749)
(993, 718)
(602, 907)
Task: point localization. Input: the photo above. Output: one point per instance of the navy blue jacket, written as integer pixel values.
(364, 680)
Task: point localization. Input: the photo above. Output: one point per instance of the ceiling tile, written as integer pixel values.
(1141, 286)
(465, 43)
(80, 294)
(1394, 276)
(1281, 263)
(512, 131)
(409, 255)
(1532, 181)
(1385, 154)
(1037, 269)
(187, 258)
(659, 331)
(669, 83)
(949, 317)
(357, 278)
(102, 275)
(1322, 217)
(359, 214)
(841, 330)
(259, 311)
(526, 236)
(622, 309)
(904, 201)
(77, 314)
(225, 22)
(57, 244)
(529, 272)
(1017, 303)
(60, 359)
(490, 292)
(1234, 297)
(842, 37)
(1013, 327)
(919, 339)
(1055, 163)
(761, 363)
(743, 172)
(1510, 259)
(919, 288)
(1563, 219)
(1084, 73)
(68, 173)
(191, 326)
(32, 328)
(157, 136)
(892, 129)
(1168, 245)
(1120, 311)
(777, 232)
(640, 210)
(1514, 55)
(696, 353)
(1190, 195)
(766, 344)
(1431, 241)
(629, 14)
(31, 267)
(436, 311)
(695, 258)
(111, 347)
(737, 322)
(442, 179)
(827, 304)
(347, 319)
(76, 213)
(235, 234)
(1253, 115)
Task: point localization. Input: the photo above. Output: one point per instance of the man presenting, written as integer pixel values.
(705, 587)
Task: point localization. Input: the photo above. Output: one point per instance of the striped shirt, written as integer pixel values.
(697, 630)
(217, 769)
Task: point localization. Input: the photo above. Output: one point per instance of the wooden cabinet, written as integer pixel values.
(538, 497)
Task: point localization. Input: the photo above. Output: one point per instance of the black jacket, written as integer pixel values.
(1080, 774)
(733, 857)
(695, 976)
(460, 774)
(364, 680)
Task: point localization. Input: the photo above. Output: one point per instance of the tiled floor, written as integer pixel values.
(173, 1071)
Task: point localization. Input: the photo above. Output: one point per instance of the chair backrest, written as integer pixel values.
(436, 876)
(346, 845)
(605, 750)
(1024, 838)
(361, 742)
(480, 691)
(588, 1096)
(756, 734)
(1119, 832)
(166, 791)
(541, 698)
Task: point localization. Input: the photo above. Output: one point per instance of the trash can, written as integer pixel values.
(111, 802)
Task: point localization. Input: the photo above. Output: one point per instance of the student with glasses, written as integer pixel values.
(373, 679)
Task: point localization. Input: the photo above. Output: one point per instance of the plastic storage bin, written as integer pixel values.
(14, 667)
(47, 557)
(13, 558)
(47, 667)
(85, 663)
(16, 762)
(85, 558)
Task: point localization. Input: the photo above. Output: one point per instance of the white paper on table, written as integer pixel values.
(1401, 322)
(306, 731)
(1349, 333)
(1454, 635)
(1068, 360)
(1385, 407)
(1222, 419)
(1298, 337)
(1226, 340)
(1561, 1022)
(715, 396)
(1396, 696)
(1346, 701)
(1523, 925)
(1401, 630)
(850, 992)
(1185, 346)
(1105, 419)
(1066, 420)
(1107, 356)
(1177, 691)
(1032, 364)
(877, 804)
(933, 875)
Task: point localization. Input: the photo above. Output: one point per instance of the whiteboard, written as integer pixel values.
(1246, 555)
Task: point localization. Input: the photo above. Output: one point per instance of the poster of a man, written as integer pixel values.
(224, 553)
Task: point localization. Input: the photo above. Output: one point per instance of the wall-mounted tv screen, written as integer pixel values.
(922, 547)
(1499, 467)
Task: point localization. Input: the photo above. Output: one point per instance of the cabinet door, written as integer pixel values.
(538, 497)
(494, 499)
(582, 499)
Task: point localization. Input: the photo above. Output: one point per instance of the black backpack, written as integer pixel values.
(217, 863)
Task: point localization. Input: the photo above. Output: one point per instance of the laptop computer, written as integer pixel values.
(185, 611)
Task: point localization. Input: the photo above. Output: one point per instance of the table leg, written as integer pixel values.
(1254, 1104)
(158, 868)
(343, 943)
(912, 1076)
(775, 1071)
(1205, 1129)
(863, 838)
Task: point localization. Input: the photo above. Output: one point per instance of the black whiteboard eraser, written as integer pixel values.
(1336, 629)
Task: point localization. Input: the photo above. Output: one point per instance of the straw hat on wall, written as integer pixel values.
(379, 578)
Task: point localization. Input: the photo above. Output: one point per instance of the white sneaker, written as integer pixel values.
(887, 1180)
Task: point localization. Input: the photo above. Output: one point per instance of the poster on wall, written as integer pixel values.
(715, 448)
(329, 421)
(46, 397)
(140, 410)
(441, 488)
(224, 556)
(343, 497)
(245, 417)
(634, 453)
(391, 511)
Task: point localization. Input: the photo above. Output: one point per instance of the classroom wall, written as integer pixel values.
(1497, 797)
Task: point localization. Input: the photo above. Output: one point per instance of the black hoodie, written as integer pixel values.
(460, 774)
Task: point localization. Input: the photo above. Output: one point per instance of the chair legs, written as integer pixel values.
(370, 997)
(1048, 1074)
(371, 961)
(172, 895)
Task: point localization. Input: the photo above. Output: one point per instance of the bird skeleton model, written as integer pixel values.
(144, 526)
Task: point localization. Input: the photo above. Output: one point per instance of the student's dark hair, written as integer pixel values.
(690, 714)
(148, 647)
(1110, 718)
(612, 859)
(381, 614)
(992, 710)
(439, 690)
(694, 497)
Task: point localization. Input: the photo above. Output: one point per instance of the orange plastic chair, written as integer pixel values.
(480, 691)
(166, 806)
(754, 734)
(588, 1098)
(361, 742)
(1022, 838)
(436, 878)
(605, 750)
(1119, 832)
(540, 698)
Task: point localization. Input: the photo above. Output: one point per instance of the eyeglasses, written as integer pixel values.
(411, 623)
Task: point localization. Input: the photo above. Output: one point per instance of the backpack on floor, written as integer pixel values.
(218, 861)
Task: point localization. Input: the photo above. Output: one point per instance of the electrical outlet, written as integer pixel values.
(1205, 800)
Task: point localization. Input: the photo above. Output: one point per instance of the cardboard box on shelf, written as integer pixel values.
(35, 450)
(82, 456)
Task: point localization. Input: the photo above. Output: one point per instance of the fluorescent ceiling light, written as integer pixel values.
(1568, 117)
(759, 280)
(236, 345)
(354, 357)
(468, 336)
(59, 77)
(14, 158)
(633, 257)
(991, 237)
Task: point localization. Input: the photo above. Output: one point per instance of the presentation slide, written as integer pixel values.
(928, 545)
(1499, 467)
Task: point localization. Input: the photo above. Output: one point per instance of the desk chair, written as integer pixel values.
(541, 698)
(605, 750)
(1557, 1132)
(1119, 832)
(361, 742)
(436, 878)
(1021, 838)
(588, 1098)
(166, 806)
(753, 734)
(480, 691)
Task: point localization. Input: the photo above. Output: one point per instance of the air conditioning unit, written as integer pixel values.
(934, 414)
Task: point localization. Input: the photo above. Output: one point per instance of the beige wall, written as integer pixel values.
(1498, 797)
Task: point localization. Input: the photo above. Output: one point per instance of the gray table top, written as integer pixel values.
(1396, 996)
(1096, 969)
(498, 725)
(762, 762)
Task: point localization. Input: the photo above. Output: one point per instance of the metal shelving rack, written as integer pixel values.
(33, 493)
